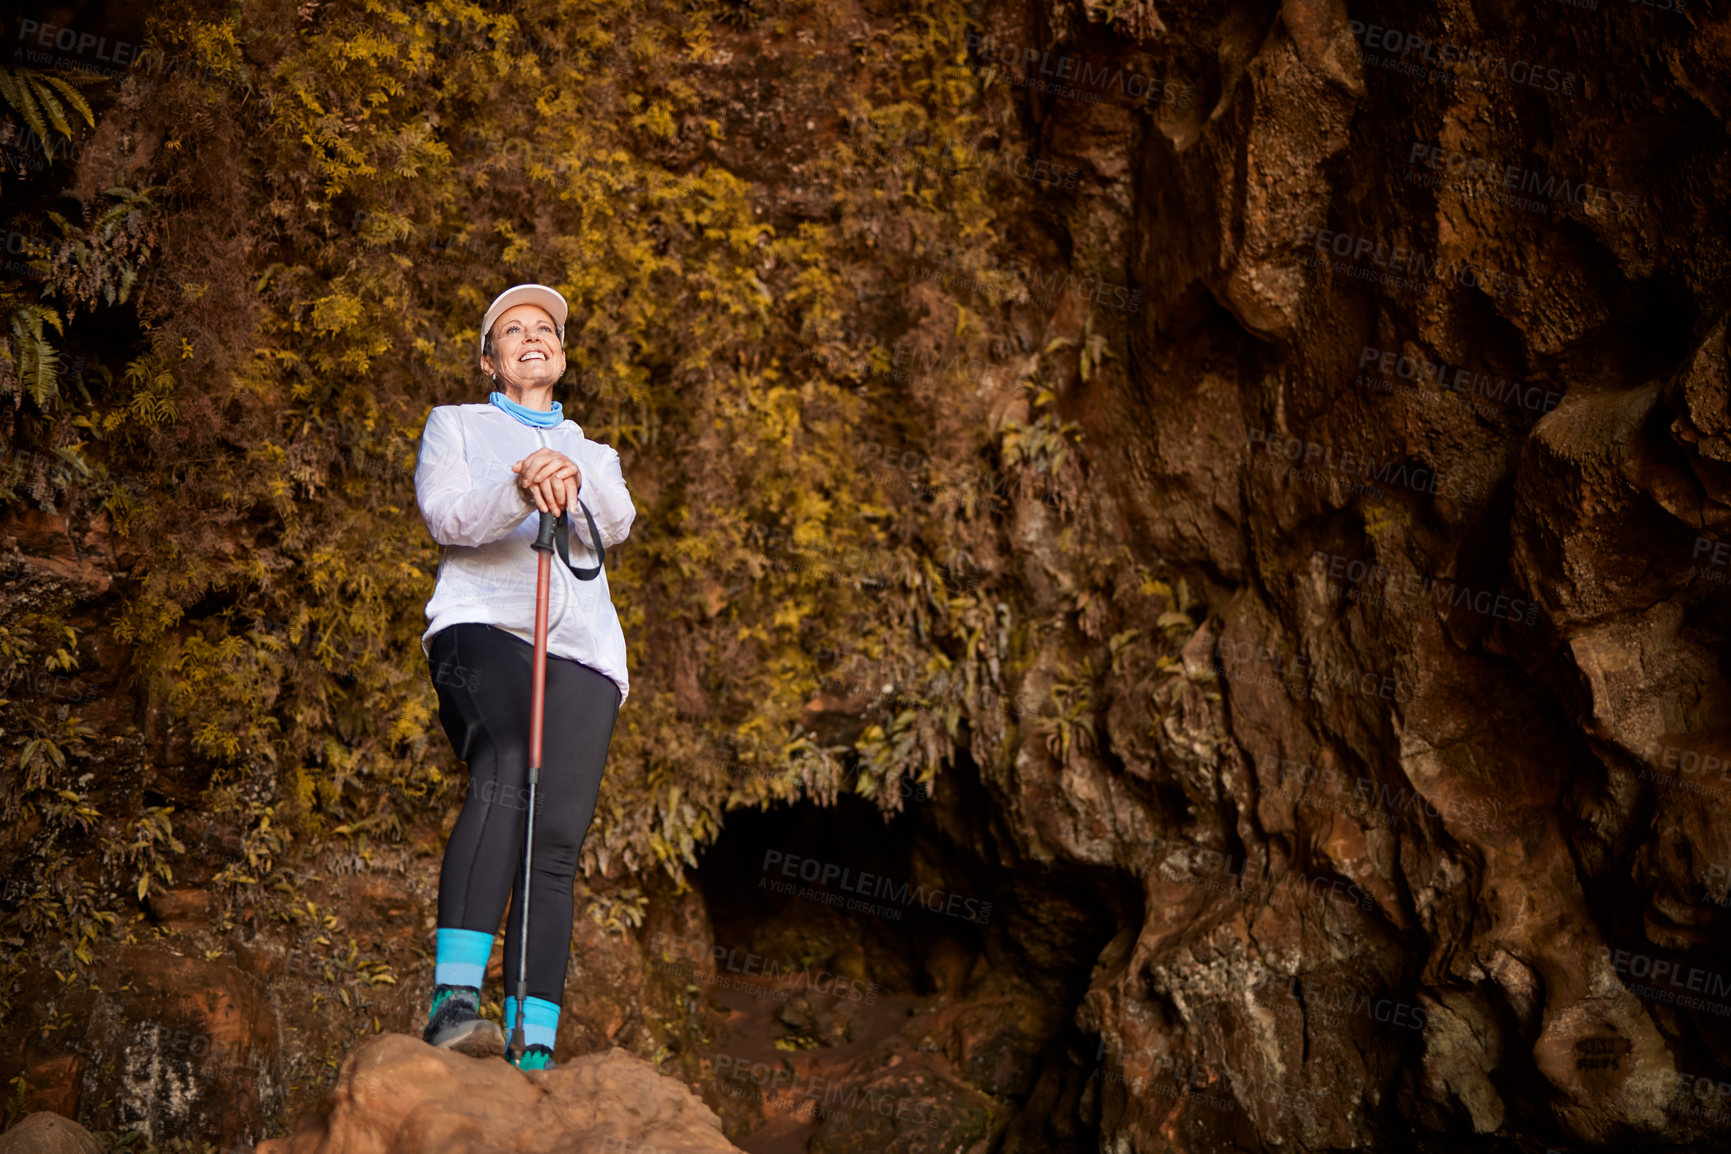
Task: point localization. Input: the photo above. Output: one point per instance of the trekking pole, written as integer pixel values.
(537, 706)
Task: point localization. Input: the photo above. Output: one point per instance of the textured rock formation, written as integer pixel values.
(1397, 542)
(46, 1132)
(398, 1095)
(1429, 819)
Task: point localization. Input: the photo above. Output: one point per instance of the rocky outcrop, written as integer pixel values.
(1392, 592)
(46, 1132)
(1425, 792)
(397, 1095)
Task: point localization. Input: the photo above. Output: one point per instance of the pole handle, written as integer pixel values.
(544, 540)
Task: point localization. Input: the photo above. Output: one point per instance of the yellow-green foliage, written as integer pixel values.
(328, 229)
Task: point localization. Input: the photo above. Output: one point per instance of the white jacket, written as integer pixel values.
(486, 525)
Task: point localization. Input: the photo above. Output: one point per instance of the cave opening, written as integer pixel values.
(910, 960)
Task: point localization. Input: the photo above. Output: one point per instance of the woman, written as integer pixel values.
(484, 473)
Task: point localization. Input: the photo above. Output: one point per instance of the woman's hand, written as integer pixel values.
(551, 478)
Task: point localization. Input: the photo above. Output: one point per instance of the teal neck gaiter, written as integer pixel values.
(540, 419)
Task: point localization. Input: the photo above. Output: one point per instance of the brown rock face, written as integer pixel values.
(176, 1042)
(397, 1095)
(1428, 409)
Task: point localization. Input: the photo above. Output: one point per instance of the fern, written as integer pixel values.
(1071, 724)
(34, 362)
(99, 260)
(37, 96)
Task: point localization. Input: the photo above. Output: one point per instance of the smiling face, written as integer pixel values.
(526, 350)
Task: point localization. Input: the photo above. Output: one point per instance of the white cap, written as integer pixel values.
(524, 294)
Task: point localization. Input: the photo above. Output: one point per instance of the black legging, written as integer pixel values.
(482, 677)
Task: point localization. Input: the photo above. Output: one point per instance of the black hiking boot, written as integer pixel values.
(455, 1023)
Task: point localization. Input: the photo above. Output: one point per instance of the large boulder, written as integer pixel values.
(397, 1095)
(46, 1132)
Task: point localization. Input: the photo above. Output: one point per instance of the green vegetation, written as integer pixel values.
(281, 274)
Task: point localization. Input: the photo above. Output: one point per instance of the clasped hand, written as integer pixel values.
(551, 478)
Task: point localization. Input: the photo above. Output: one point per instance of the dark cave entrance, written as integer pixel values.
(786, 877)
(847, 948)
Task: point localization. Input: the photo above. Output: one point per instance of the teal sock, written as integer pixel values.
(460, 957)
(540, 1021)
